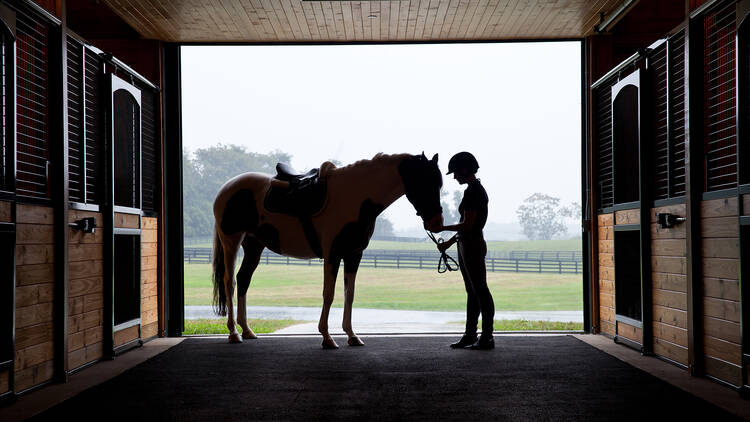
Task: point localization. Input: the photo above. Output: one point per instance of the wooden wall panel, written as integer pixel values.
(606, 274)
(720, 289)
(746, 204)
(35, 285)
(5, 212)
(127, 221)
(628, 217)
(630, 332)
(149, 277)
(85, 293)
(669, 287)
(127, 334)
(4, 381)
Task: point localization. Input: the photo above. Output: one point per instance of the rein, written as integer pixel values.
(443, 264)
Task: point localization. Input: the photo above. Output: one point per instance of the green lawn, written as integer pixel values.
(282, 285)
(497, 246)
(219, 326)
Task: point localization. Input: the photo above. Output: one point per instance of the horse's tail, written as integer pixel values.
(220, 296)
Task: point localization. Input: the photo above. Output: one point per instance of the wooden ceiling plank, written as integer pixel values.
(299, 27)
(375, 24)
(385, 20)
(304, 24)
(603, 6)
(429, 23)
(514, 17)
(330, 20)
(260, 21)
(135, 14)
(346, 8)
(240, 19)
(366, 24)
(421, 18)
(521, 26)
(471, 28)
(437, 27)
(166, 17)
(338, 17)
(466, 19)
(309, 15)
(411, 22)
(320, 21)
(127, 16)
(357, 20)
(489, 30)
(489, 11)
(393, 20)
(456, 25)
(276, 11)
(403, 19)
(231, 28)
(450, 16)
(503, 19)
(545, 19)
(271, 32)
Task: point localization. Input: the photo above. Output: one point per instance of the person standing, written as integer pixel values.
(472, 250)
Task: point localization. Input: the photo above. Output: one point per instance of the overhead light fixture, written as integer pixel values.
(372, 17)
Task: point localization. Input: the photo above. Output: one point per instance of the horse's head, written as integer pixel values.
(422, 182)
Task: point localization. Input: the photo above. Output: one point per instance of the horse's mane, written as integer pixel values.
(377, 159)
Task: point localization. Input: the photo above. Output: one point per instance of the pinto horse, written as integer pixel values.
(339, 230)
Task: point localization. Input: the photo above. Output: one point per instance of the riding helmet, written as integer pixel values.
(463, 160)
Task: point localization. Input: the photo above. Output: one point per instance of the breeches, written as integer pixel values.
(471, 254)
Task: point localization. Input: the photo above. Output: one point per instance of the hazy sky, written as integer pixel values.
(516, 106)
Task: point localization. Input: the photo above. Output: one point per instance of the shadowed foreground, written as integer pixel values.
(524, 378)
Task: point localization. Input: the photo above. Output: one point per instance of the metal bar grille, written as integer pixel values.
(32, 75)
(660, 123)
(719, 98)
(744, 141)
(603, 142)
(76, 159)
(5, 180)
(149, 149)
(94, 123)
(676, 46)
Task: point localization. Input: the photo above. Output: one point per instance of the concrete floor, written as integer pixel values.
(33, 403)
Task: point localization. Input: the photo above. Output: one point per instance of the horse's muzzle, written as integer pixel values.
(434, 224)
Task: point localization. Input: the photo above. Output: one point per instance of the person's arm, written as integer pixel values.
(470, 217)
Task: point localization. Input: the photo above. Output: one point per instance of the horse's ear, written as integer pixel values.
(424, 156)
(434, 158)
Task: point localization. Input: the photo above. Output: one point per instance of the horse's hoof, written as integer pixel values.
(248, 335)
(355, 341)
(235, 338)
(328, 343)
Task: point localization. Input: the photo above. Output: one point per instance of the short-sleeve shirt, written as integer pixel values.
(475, 199)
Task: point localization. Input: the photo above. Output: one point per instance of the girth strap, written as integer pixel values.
(311, 235)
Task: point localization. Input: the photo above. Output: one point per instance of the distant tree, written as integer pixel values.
(450, 212)
(383, 227)
(542, 216)
(206, 170)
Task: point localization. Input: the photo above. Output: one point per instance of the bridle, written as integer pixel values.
(443, 264)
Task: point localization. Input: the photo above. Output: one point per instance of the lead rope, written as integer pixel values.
(443, 264)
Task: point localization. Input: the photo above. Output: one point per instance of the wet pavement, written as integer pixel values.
(373, 321)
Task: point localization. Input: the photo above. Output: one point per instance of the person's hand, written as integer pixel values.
(443, 246)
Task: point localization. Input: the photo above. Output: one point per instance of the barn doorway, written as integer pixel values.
(245, 108)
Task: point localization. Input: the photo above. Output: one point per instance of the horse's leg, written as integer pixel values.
(253, 250)
(231, 244)
(330, 271)
(351, 264)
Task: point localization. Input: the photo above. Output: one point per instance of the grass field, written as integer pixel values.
(219, 326)
(280, 285)
(497, 245)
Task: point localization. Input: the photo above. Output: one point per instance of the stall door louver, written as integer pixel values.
(719, 104)
(76, 159)
(603, 143)
(149, 150)
(6, 140)
(32, 75)
(659, 123)
(94, 126)
(676, 45)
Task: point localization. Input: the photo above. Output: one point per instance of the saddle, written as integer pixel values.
(303, 196)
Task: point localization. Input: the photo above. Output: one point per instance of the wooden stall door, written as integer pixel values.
(126, 215)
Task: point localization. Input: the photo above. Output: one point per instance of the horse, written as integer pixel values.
(341, 229)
